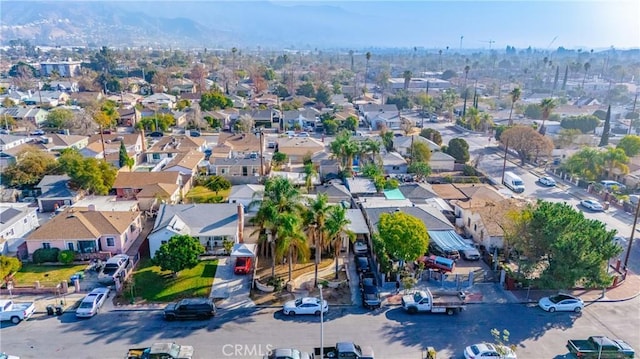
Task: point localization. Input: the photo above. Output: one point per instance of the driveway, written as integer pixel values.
(230, 291)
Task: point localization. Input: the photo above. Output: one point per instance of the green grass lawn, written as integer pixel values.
(201, 194)
(30, 273)
(154, 285)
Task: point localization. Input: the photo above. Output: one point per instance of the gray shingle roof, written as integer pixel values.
(201, 219)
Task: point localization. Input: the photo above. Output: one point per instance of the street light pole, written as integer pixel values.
(504, 163)
(321, 323)
(633, 231)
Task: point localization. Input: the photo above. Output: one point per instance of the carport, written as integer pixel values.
(244, 250)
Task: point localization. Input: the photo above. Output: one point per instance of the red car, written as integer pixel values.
(243, 265)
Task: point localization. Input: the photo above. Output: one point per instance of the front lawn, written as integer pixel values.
(201, 194)
(30, 273)
(154, 285)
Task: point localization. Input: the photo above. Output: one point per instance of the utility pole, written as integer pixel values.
(461, 37)
(633, 112)
(633, 231)
(261, 155)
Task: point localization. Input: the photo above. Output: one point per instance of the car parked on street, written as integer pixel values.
(561, 302)
(190, 308)
(306, 305)
(363, 264)
(592, 205)
(487, 350)
(369, 290)
(547, 181)
(281, 353)
(92, 302)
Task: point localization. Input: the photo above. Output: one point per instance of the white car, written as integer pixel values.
(592, 205)
(561, 302)
(487, 351)
(306, 305)
(547, 181)
(360, 247)
(92, 303)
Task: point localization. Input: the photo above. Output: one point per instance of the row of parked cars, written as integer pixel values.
(368, 279)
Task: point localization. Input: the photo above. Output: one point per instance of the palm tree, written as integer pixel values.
(345, 148)
(336, 226)
(547, 105)
(130, 162)
(371, 148)
(315, 219)
(515, 96)
(292, 242)
(407, 75)
(309, 173)
(440, 57)
(366, 72)
(587, 66)
(588, 163)
(615, 158)
(466, 75)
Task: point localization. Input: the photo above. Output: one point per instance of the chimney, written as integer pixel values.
(92, 207)
(240, 223)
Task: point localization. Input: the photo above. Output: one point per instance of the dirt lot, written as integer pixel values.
(334, 296)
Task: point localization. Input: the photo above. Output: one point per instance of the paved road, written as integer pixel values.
(244, 333)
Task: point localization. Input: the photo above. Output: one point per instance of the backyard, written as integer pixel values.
(150, 284)
(201, 194)
(46, 274)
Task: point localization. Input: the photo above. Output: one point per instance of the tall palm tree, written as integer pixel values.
(467, 68)
(407, 75)
(515, 96)
(292, 242)
(615, 158)
(315, 219)
(309, 173)
(336, 226)
(371, 148)
(345, 148)
(366, 72)
(440, 57)
(547, 105)
(587, 66)
(588, 163)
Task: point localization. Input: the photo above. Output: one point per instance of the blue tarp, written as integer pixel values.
(448, 240)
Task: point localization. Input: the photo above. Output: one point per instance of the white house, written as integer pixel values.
(245, 194)
(211, 223)
(16, 221)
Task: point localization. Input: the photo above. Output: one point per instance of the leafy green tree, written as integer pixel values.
(404, 235)
(281, 91)
(214, 100)
(59, 118)
(323, 95)
(67, 256)
(615, 159)
(604, 140)
(584, 123)
(309, 173)
(9, 265)
(162, 120)
(419, 152)
(630, 144)
(279, 159)
(179, 253)
(22, 68)
(566, 137)
(387, 140)
(401, 100)
(213, 122)
(421, 170)
(432, 135)
(587, 163)
(130, 162)
(449, 98)
(562, 249)
(122, 155)
(533, 111)
(458, 149)
(499, 130)
(350, 123)
(307, 90)
(330, 126)
(89, 174)
(217, 184)
(30, 166)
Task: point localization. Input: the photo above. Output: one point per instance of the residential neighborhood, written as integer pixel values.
(248, 187)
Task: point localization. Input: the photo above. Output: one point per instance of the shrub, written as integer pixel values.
(66, 256)
(276, 282)
(43, 255)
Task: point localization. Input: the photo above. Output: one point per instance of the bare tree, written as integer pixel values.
(198, 74)
(406, 125)
(245, 123)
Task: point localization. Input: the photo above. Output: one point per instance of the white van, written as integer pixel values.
(513, 182)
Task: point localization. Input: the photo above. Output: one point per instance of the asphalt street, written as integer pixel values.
(394, 334)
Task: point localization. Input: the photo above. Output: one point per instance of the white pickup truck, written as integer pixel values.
(441, 302)
(16, 312)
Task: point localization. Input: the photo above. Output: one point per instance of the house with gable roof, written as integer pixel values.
(148, 187)
(55, 193)
(210, 223)
(85, 230)
(169, 147)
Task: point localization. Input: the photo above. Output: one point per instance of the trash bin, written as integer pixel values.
(58, 310)
(49, 309)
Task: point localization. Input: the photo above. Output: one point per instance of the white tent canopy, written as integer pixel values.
(244, 250)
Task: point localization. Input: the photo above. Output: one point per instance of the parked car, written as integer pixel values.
(487, 350)
(92, 302)
(613, 185)
(363, 264)
(547, 181)
(561, 302)
(360, 247)
(306, 305)
(470, 253)
(113, 267)
(37, 133)
(303, 134)
(592, 205)
(243, 265)
(194, 133)
(281, 353)
(7, 356)
(190, 308)
(370, 293)
(156, 134)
